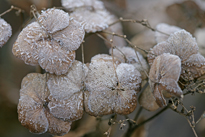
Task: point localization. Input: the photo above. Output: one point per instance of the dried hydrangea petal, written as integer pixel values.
(184, 44)
(70, 4)
(164, 75)
(57, 126)
(33, 110)
(168, 29)
(54, 59)
(180, 43)
(101, 72)
(105, 95)
(93, 20)
(30, 107)
(26, 46)
(147, 100)
(66, 93)
(71, 37)
(53, 20)
(194, 67)
(128, 55)
(6, 32)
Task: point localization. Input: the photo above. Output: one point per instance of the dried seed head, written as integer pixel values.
(105, 94)
(54, 59)
(33, 107)
(66, 93)
(147, 100)
(5, 30)
(93, 20)
(128, 55)
(182, 44)
(72, 4)
(164, 75)
(53, 20)
(168, 29)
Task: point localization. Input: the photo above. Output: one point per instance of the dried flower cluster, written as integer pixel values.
(184, 61)
(51, 42)
(58, 98)
(50, 102)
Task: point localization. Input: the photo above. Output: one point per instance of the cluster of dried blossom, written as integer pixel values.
(108, 84)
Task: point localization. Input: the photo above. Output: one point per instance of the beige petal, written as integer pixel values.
(57, 126)
(54, 59)
(71, 37)
(93, 20)
(6, 32)
(53, 20)
(26, 46)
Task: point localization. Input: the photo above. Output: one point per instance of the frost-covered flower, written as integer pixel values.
(128, 55)
(33, 110)
(163, 77)
(107, 93)
(51, 42)
(66, 93)
(182, 44)
(5, 32)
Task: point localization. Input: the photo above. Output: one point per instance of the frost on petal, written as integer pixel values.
(30, 107)
(105, 94)
(26, 46)
(164, 75)
(101, 74)
(194, 67)
(53, 20)
(184, 44)
(71, 37)
(180, 43)
(129, 81)
(168, 29)
(66, 93)
(57, 126)
(128, 55)
(33, 110)
(92, 20)
(71, 4)
(6, 32)
(54, 59)
(147, 100)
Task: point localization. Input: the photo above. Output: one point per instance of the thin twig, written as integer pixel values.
(99, 35)
(192, 127)
(131, 130)
(143, 22)
(138, 113)
(134, 46)
(19, 10)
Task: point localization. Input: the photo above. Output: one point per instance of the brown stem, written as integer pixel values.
(131, 130)
(12, 8)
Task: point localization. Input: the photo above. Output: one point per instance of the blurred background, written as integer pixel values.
(189, 15)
